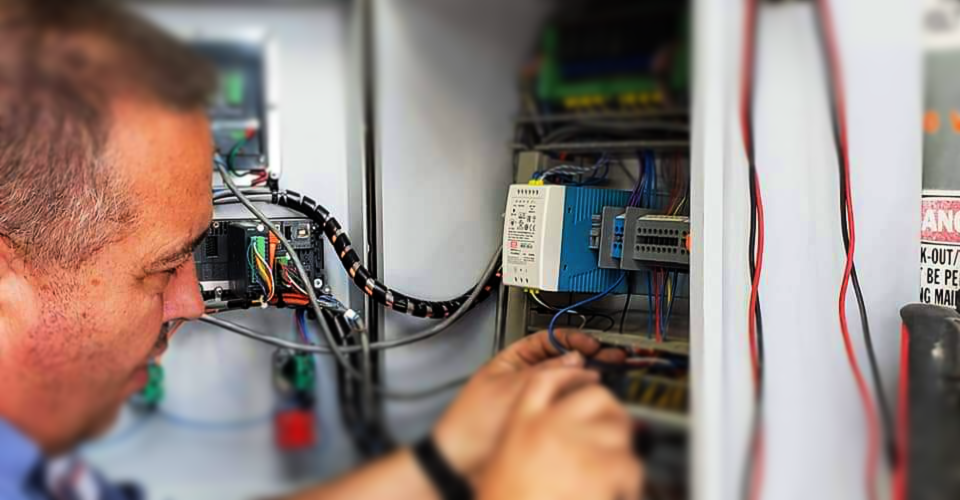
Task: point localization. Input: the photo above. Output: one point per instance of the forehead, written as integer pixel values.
(165, 157)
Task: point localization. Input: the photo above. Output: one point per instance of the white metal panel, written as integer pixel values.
(446, 90)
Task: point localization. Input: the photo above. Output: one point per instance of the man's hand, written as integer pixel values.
(567, 438)
(469, 430)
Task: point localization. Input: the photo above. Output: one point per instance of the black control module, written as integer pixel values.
(241, 264)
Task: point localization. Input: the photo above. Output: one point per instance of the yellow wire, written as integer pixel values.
(265, 273)
(649, 394)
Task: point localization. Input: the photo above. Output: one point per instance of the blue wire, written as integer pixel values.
(553, 321)
(322, 431)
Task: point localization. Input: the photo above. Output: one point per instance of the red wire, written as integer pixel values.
(873, 439)
(656, 308)
(746, 84)
(903, 418)
(755, 286)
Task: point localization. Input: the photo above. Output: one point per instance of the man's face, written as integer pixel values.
(82, 351)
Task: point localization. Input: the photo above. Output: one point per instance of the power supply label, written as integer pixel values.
(940, 248)
(521, 229)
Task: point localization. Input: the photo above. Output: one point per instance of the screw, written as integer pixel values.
(318, 283)
(274, 175)
(216, 225)
(260, 227)
(326, 290)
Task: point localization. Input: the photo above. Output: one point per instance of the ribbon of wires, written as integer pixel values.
(753, 478)
(828, 43)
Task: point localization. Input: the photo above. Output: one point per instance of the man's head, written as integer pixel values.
(105, 170)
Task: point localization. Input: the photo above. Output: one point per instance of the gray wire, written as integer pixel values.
(376, 346)
(352, 317)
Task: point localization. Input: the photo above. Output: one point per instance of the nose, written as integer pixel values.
(182, 298)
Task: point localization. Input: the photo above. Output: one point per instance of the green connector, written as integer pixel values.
(260, 244)
(304, 377)
(152, 393)
(232, 86)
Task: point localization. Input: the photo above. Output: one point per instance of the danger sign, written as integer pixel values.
(940, 249)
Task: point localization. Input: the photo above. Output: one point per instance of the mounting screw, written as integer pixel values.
(216, 225)
(260, 227)
(218, 293)
(274, 175)
(318, 284)
(326, 290)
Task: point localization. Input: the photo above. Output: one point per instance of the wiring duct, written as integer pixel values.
(310, 208)
(828, 46)
(753, 477)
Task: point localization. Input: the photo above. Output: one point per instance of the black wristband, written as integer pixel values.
(447, 482)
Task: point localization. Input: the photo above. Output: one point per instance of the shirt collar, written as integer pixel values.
(19, 457)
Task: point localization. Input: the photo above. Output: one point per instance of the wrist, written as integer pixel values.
(454, 449)
(449, 483)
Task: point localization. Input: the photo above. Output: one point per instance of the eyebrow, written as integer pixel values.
(179, 255)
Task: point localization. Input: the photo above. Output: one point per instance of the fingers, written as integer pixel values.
(547, 386)
(572, 359)
(611, 356)
(537, 348)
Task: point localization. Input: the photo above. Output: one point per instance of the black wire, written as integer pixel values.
(623, 314)
(757, 418)
(607, 317)
(885, 416)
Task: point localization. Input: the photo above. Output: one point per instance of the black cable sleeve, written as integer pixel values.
(885, 415)
(363, 279)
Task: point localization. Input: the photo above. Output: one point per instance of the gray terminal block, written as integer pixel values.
(607, 238)
(628, 262)
(659, 239)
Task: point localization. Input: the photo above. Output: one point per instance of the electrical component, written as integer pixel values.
(547, 238)
(664, 239)
(149, 398)
(633, 239)
(240, 112)
(295, 376)
(240, 264)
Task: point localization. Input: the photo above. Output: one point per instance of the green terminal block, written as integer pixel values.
(260, 244)
(151, 395)
(232, 86)
(304, 373)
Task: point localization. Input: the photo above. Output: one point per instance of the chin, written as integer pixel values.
(104, 422)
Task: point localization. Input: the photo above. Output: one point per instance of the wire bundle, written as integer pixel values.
(838, 122)
(573, 174)
(755, 451)
(260, 176)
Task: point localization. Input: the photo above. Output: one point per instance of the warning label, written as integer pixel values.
(940, 249)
